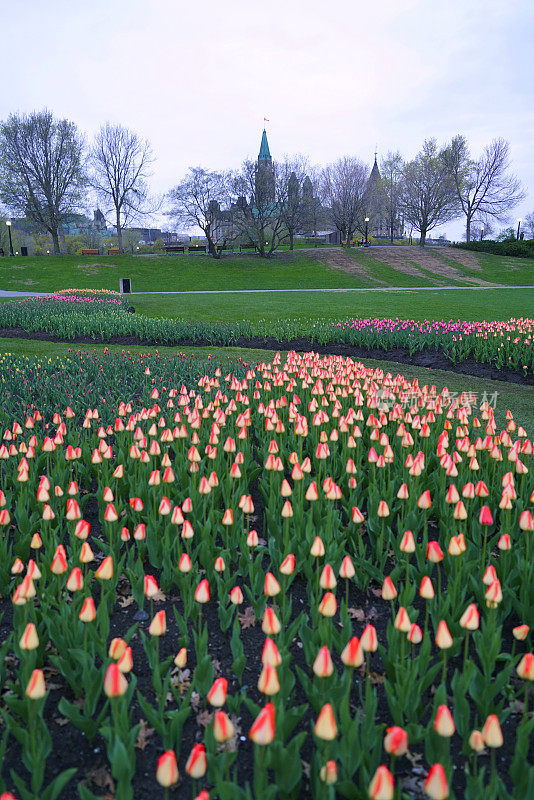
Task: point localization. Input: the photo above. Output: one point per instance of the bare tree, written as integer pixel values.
(196, 201)
(429, 196)
(314, 213)
(391, 173)
(484, 186)
(481, 228)
(41, 169)
(529, 224)
(120, 163)
(258, 192)
(344, 187)
(292, 175)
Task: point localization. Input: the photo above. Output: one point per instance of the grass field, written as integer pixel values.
(297, 270)
(515, 397)
(472, 304)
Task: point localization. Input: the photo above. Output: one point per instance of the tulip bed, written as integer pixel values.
(103, 317)
(302, 579)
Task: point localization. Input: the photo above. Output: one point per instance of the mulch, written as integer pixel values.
(428, 358)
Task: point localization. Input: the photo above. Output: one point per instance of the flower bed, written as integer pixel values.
(306, 580)
(502, 344)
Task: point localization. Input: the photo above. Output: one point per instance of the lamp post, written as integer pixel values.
(366, 228)
(8, 223)
(519, 221)
(481, 232)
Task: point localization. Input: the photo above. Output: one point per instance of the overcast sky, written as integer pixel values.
(333, 78)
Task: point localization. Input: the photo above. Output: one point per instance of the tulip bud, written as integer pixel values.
(29, 639)
(323, 666)
(327, 579)
(491, 732)
(328, 605)
(368, 639)
(252, 539)
(217, 693)
(346, 569)
(415, 634)
(476, 741)
(115, 684)
(520, 632)
(105, 570)
(88, 610)
(263, 729)
(470, 619)
(125, 663)
(36, 686)
(443, 636)
(196, 763)
(270, 654)
(382, 786)
(271, 587)
(493, 594)
(116, 648)
(75, 580)
(444, 723)
(167, 769)
(352, 654)
(434, 553)
(270, 623)
(184, 565)
(158, 626)
(180, 659)
(325, 726)
(202, 592)
(317, 549)
(268, 682)
(396, 741)
(223, 728)
(328, 773)
(435, 785)
(525, 668)
(236, 596)
(150, 586)
(426, 589)
(287, 567)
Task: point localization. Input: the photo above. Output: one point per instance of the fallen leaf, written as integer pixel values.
(376, 592)
(217, 668)
(357, 614)
(101, 777)
(196, 700)
(61, 721)
(144, 735)
(204, 718)
(124, 602)
(247, 619)
(159, 597)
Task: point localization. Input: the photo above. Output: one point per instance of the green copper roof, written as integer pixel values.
(264, 155)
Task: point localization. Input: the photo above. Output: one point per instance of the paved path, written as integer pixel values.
(4, 293)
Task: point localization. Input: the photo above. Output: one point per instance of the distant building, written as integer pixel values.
(376, 209)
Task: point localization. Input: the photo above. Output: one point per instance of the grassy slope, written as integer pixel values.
(464, 303)
(190, 272)
(518, 399)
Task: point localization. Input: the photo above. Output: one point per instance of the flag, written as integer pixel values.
(265, 119)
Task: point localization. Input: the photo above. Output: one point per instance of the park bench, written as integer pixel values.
(174, 248)
(196, 248)
(91, 251)
(113, 251)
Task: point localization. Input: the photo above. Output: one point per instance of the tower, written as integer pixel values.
(265, 192)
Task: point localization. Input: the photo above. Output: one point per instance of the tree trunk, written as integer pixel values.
(62, 242)
(468, 229)
(291, 240)
(422, 237)
(119, 233)
(55, 240)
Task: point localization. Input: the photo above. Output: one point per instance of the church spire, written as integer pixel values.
(265, 154)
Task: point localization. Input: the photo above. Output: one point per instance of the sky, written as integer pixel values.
(340, 78)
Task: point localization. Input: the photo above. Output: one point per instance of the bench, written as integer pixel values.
(113, 251)
(196, 248)
(91, 251)
(174, 248)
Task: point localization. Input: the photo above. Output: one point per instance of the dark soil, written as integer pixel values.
(431, 359)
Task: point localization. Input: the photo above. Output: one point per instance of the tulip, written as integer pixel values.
(105, 570)
(317, 549)
(150, 586)
(346, 569)
(470, 619)
(219, 565)
(36, 686)
(444, 723)
(115, 684)
(415, 634)
(271, 587)
(325, 726)
(125, 662)
(117, 648)
(223, 728)
(287, 567)
(368, 639)
(396, 741)
(491, 732)
(402, 620)
(88, 610)
(352, 654)
(167, 769)
(270, 623)
(426, 589)
(434, 553)
(407, 544)
(328, 773)
(328, 605)
(180, 659)
(158, 626)
(268, 681)
(476, 741)
(270, 653)
(435, 785)
(443, 636)
(388, 589)
(184, 565)
(323, 665)
(327, 579)
(196, 763)
(520, 632)
(493, 594)
(263, 729)
(75, 580)
(382, 786)
(236, 596)
(217, 694)
(202, 592)
(29, 639)
(525, 668)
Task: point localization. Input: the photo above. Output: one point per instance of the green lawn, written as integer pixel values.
(466, 303)
(189, 272)
(519, 399)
